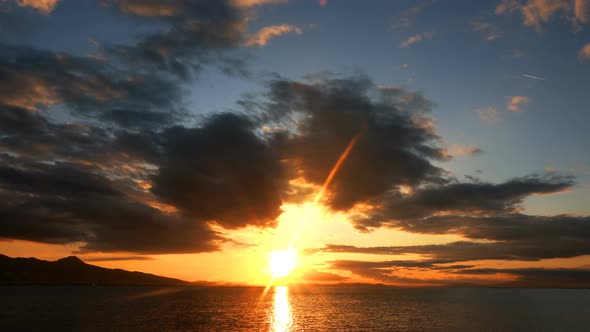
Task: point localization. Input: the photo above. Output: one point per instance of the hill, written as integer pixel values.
(73, 271)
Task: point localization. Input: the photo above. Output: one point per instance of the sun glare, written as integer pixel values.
(282, 262)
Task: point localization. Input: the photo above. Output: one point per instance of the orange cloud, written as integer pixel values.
(36, 93)
(582, 11)
(265, 34)
(456, 150)
(534, 12)
(416, 38)
(43, 6)
(584, 53)
(515, 103)
(252, 3)
(149, 7)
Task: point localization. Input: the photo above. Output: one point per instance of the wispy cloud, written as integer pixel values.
(457, 150)
(489, 114)
(43, 6)
(406, 18)
(416, 38)
(516, 102)
(584, 53)
(489, 30)
(516, 54)
(252, 3)
(582, 10)
(536, 12)
(264, 35)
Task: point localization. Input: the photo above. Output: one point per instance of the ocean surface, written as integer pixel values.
(83, 308)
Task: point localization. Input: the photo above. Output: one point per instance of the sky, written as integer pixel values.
(411, 143)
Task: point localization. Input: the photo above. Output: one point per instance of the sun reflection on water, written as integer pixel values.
(282, 319)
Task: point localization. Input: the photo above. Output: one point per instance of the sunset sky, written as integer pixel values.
(194, 139)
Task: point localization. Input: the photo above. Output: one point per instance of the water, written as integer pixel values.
(57, 308)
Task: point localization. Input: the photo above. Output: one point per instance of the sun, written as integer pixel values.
(282, 262)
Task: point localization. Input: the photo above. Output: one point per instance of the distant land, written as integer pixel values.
(73, 271)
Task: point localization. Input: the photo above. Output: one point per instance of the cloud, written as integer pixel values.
(582, 10)
(515, 103)
(396, 147)
(146, 192)
(150, 7)
(68, 203)
(35, 79)
(516, 54)
(319, 276)
(525, 248)
(43, 6)
(584, 53)
(192, 33)
(416, 38)
(540, 277)
(26, 91)
(220, 172)
(134, 84)
(252, 3)
(439, 272)
(407, 18)
(491, 31)
(534, 12)
(471, 198)
(395, 271)
(489, 114)
(95, 180)
(456, 150)
(264, 35)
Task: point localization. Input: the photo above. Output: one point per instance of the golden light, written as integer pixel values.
(282, 262)
(282, 320)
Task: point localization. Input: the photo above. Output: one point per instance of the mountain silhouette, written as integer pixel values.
(73, 271)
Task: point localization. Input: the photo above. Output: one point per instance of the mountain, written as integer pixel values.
(73, 271)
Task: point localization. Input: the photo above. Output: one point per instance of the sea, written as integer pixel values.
(282, 308)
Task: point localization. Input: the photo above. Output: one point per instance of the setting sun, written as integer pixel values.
(282, 262)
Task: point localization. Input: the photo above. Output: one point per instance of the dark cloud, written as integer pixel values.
(512, 227)
(402, 272)
(65, 203)
(356, 265)
(526, 249)
(88, 180)
(34, 79)
(195, 32)
(386, 271)
(396, 147)
(319, 276)
(221, 171)
(540, 277)
(470, 198)
(135, 85)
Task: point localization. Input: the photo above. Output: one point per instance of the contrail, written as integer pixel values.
(534, 77)
(322, 191)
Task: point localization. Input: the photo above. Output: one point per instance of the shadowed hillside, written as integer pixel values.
(72, 270)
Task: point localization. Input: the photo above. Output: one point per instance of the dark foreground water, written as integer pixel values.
(38, 308)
